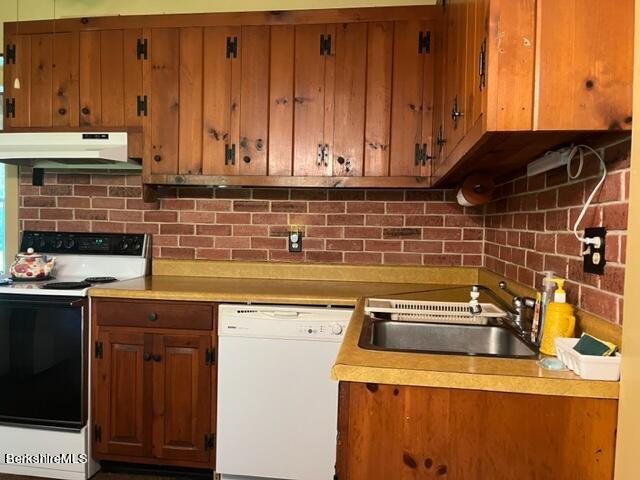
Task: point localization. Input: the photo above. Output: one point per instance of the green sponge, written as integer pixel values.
(589, 345)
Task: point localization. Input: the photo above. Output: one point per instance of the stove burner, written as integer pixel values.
(100, 279)
(66, 285)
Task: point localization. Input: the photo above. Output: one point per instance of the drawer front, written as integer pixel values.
(191, 316)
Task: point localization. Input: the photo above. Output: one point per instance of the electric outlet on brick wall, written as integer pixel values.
(593, 251)
(295, 239)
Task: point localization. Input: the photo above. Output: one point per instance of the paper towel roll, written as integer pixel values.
(476, 189)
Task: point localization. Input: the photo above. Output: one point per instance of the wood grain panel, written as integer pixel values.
(191, 81)
(511, 59)
(309, 101)
(132, 67)
(349, 99)
(22, 71)
(428, 100)
(406, 111)
(477, 35)
(120, 392)
(41, 81)
(254, 101)
(455, 87)
(112, 74)
(182, 398)
(586, 83)
(378, 101)
(65, 73)
(330, 98)
(164, 54)
(439, 83)
(91, 79)
(217, 101)
(281, 75)
(405, 432)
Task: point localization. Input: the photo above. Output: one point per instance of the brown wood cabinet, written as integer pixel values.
(370, 97)
(521, 78)
(402, 432)
(153, 394)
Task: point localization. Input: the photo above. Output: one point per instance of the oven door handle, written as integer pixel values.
(48, 301)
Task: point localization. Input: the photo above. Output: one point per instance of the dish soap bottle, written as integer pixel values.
(558, 321)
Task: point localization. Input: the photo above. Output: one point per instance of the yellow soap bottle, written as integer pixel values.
(558, 320)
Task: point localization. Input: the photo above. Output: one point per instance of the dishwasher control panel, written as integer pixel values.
(285, 322)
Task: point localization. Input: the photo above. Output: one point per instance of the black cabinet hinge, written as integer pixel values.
(421, 155)
(482, 64)
(10, 108)
(98, 349)
(141, 49)
(209, 441)
(325, 44)
(141, 105)
(424, 42)
(232, 47)
(230, 154)
(322, 155)
(10, 54)
(210, 356)
(97, 433)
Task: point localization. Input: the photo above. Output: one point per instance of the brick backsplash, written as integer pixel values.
(340, 226)
(528, 230)
(523, 232)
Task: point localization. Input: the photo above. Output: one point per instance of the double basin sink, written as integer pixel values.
(492, 338)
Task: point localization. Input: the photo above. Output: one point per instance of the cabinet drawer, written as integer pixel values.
(191, 316)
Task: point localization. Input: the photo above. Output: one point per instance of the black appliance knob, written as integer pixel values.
(69, 243)
(59, 243)
(137, 246)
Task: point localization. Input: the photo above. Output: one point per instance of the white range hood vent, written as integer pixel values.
(67, 150)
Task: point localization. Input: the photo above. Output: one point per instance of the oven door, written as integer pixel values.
(43, 361)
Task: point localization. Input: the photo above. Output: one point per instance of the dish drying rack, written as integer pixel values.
(432, 312)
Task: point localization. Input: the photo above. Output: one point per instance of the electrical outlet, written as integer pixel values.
(594, 255)
(295, 239)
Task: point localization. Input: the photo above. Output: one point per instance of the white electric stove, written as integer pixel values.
(44, 351)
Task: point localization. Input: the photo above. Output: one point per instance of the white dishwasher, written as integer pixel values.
(277, 405)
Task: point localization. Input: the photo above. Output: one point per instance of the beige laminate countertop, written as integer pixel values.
(354, 363)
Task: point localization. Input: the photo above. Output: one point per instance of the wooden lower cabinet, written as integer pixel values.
(153, 394)
(402, 432)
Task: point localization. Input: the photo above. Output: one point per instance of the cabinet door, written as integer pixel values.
(222, 70)
(121, 394)
(313, 111)
(110, 78)
(161, 78)
(411, 113)
(477, 26)
(182, 400)
(347, 145)
(456, 48)
(439, 110)
(46, 68)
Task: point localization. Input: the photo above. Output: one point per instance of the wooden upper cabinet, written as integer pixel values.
(122, 390)
(41, 76)
(586, 83)
(412, 99)
(110, 78)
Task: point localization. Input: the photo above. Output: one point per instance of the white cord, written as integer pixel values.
(580, 149)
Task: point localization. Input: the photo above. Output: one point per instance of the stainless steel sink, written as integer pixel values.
(457, 339)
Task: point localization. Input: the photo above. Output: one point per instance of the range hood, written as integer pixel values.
(76, 150)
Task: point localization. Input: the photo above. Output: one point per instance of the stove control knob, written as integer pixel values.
(69, 243)
(137, 247)
(336, 329)
(59, 243)
(124, 245)
(42, 243)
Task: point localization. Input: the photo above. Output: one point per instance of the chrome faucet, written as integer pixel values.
(523, 307)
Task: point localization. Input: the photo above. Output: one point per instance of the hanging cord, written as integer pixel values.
(579, 150)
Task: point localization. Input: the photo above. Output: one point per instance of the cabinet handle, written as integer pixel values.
(62, 111)
(341, 160)
(157, 157)
(85, 111)
(146, 356)
(156, 358)
(246, 159)
(152, 316)
(455, 113)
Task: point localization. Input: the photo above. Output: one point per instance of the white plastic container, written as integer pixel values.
(589, 367)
